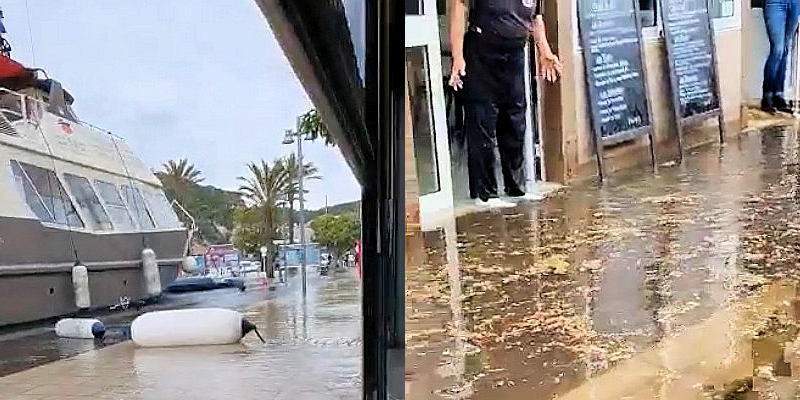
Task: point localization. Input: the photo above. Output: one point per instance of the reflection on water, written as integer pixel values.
(677, 272)
(312, 345)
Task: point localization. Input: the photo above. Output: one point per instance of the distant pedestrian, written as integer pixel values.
(277, 269)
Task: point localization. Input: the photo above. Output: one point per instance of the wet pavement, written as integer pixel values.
(313, 351)
(679, 285)
(21, 349)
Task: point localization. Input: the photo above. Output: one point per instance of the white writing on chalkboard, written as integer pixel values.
(690, 52)
(612, 52)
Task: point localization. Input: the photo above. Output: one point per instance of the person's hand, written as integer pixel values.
(459, 69)
(550, 67)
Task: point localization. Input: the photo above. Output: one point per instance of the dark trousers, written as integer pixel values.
(494, 107)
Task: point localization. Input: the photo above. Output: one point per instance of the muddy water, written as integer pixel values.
(312, 351)
(670, 270)
(38, 345)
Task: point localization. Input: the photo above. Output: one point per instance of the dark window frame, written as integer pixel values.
(130, 225)
(96, 221)
(153, 195)
(71, 217)
(139, 207)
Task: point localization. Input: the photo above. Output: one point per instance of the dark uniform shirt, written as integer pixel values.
(507, 19)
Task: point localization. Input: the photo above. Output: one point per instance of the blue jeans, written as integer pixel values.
(780, 17)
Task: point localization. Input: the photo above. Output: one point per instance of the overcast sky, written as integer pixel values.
(201, 79)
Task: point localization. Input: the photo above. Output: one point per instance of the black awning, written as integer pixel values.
(329, 36)
(340, 51)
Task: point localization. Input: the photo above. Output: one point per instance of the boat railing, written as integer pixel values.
(16, 106)
(192, 228)
(12, 105)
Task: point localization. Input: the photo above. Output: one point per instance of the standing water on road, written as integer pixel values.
(312, 351)
(679, 285)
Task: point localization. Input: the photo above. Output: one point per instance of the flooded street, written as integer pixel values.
(313, 351)
(679, 285)
(21, 349)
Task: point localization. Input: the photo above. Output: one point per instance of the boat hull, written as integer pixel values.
(36, 263)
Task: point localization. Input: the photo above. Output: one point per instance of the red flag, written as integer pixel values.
(66, 127)
(358, 258)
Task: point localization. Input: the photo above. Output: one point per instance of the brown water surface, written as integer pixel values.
(667, 285)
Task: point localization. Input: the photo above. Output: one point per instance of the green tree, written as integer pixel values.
(179, 177)
(312, 126)
(212, 209)
(265, 191)
(336, 232)
(250, 231)
(292, 190)
(181, 172)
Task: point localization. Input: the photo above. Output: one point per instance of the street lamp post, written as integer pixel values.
(264, 267)
(290, 138)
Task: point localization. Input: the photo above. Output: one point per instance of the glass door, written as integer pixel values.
(423, 62)
(534, 157)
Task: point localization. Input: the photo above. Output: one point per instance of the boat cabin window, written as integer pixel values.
(45, 195)
(32, 198)
(162, 209)
(136, 204)
(115, 206)
(88, 202)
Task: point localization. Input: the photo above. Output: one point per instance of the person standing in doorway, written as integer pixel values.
(780, 18)
(489, 64)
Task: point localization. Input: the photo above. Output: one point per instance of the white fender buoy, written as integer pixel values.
(190, 265)
(152, 276)
(80, 328)
(192, 327)
(80, 285)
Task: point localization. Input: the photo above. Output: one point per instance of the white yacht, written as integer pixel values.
(71, 193)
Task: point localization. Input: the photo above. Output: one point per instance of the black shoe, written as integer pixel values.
(516, 192)
(781, 105)
(767, 105)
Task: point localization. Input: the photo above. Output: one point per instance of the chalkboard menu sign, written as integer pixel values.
(612, 52)
(691, 56)
(611, 38)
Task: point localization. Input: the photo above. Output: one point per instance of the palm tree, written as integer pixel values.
(292, 190)
(312, 127)
(265, 189)
(182, 172)
(178, 177)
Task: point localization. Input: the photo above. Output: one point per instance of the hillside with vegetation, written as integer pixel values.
(211, 207)
(353, 207)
